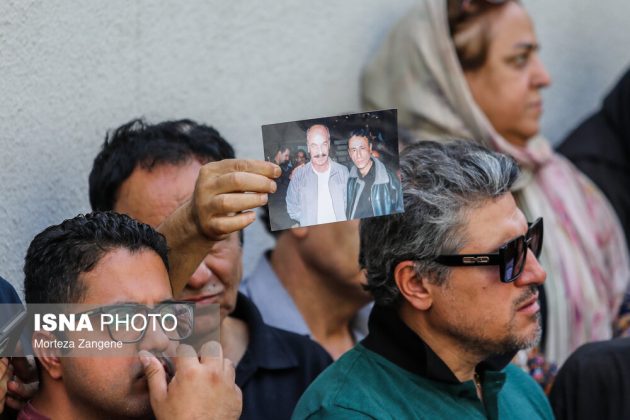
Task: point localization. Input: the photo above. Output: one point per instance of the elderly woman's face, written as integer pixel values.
(507, 87)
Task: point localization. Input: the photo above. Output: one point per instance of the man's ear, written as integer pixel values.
(48, 355)
(415, 289)
(299, 233)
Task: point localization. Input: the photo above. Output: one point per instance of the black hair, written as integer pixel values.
(59, 254)
(363, 132)
(138, 143)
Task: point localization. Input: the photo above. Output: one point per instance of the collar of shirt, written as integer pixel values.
(264, 350)
(391, 338)
(369, 177)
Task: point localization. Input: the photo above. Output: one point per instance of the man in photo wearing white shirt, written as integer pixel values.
(317, 191)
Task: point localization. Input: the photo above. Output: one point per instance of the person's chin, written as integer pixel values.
(138, 405)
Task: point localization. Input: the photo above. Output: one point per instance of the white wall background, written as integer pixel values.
(71, 70)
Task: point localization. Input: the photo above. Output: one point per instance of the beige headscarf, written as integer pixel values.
(585, 256)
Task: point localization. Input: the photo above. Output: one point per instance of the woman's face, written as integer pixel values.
(507, 87)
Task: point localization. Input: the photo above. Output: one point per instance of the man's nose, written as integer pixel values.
(533, 273)
(155, 338)
(200, 277)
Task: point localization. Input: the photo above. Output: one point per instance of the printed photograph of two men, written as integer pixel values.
(334, 169)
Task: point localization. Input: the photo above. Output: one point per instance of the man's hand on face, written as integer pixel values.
(202, 388)
(225, 190)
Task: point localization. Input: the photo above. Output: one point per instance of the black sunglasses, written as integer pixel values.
(510, 258)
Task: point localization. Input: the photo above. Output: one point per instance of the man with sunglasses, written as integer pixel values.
(109, 261)
(455, 281)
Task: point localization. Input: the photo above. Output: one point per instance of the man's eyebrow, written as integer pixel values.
(528, 46)
(121, 302)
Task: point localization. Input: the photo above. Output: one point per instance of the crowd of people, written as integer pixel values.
(501, 290)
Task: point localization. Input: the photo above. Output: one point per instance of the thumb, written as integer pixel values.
(156, 377)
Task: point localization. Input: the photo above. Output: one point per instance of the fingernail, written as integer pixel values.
(264, 198)
(273, 187)
(214, 349)
(145, 357)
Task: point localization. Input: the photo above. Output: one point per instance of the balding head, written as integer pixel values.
(318, 142)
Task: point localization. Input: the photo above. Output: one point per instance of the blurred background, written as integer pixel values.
(69, 71)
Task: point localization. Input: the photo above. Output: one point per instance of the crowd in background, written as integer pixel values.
(462, 306)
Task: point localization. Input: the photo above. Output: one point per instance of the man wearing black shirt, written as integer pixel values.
(372, 188)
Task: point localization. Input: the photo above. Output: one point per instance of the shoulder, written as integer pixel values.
(594, 380)
(8, 293)
(601, 361)
(307, 351)
(384, 174)
(514, 375)
(339, 167)
(522, 393)
(352, 386)
(300, 173)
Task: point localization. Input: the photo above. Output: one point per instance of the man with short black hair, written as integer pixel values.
(104, 259)
(455, 281)
(373, 190)
(162, 164)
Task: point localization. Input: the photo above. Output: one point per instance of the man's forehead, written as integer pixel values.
(317, 134)
(151, 195)
(317, 138)
(123, 275)
(493, 223)
(356, 141)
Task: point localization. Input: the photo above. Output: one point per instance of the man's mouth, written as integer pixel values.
(213, 298)
(530, 305)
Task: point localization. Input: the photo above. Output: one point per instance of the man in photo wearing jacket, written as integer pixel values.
(373, 190)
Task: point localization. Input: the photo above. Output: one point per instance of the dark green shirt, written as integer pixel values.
(384, 381)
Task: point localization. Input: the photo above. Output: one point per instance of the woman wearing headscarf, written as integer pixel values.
(470, 69)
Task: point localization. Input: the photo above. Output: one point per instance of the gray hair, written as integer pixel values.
(440, 182)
